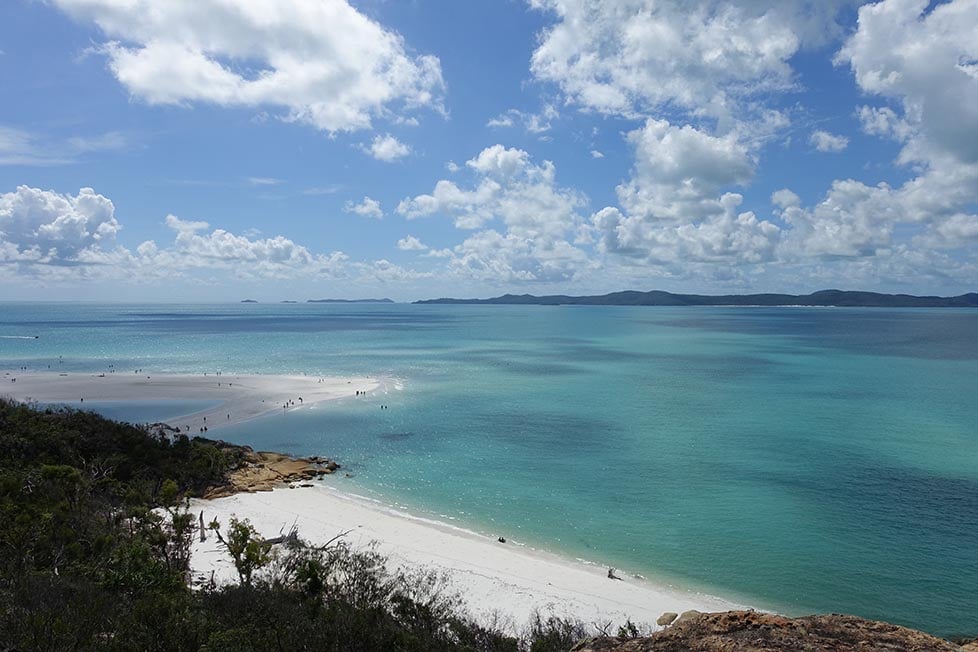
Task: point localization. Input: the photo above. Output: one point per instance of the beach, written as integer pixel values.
(240, 397)
(502, 583)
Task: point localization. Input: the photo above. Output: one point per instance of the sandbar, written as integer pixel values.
(242, 397)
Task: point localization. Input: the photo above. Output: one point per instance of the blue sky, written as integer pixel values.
(293, 149)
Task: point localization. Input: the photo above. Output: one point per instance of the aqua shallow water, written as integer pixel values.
(797, 459)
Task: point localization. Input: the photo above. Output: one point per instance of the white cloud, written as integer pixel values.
(510, 188)
(706, 57)
(321, 61)
(322, 190)
(200, 248)
(386, 148)
(680, 171)
(533, 220)
(367, 207)
(883, 121)
(924, 61)
(410, 243)
(916, 57)
(596, 154)
(509, 258)
(53, 228)
(264, 181)
(728, 237)
(503, 120)
(823, 141)
(854, 220)
(535, 123)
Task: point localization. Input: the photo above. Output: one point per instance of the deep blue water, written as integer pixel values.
(797, 459)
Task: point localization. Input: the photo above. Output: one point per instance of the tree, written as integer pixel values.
(248, 550)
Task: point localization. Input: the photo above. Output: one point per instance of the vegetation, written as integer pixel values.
(95, 549)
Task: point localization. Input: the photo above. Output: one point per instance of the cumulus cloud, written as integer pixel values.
(509, 188)
(58, 237)
(366, 207)
(924, 62)
(727, 237)
(201, 248)
(823, 141)
(387, 148)
(705, 57)
(410, 243)
(915, 58)
(523, 221)
(321, 62)
(680, 171)
(54, 228)
(883, 121)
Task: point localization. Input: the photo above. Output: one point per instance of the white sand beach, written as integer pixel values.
(500, 582)
(242, 397)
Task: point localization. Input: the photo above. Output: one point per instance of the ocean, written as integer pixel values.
(795, 459)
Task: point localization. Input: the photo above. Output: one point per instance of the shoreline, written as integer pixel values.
(241, 397)
(501, 583)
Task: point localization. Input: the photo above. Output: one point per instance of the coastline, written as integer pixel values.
(501, 583)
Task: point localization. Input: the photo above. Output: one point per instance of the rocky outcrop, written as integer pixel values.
(264, 471)
(749, 631)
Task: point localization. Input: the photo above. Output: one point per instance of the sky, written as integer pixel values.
(216, 150)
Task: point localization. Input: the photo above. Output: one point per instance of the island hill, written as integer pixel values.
(823, 298)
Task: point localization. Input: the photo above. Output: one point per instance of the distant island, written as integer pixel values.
(349, 301)
(288, 301)
(248, 301)
(827, 298)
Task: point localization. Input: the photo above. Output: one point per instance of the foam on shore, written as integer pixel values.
(500, 582)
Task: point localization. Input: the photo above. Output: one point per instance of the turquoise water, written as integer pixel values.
(796, 459)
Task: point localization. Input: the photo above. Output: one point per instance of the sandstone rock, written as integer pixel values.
(666, 618)
(688, 615)
(749, 631)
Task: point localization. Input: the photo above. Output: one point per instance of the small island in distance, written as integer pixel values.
(823, 298)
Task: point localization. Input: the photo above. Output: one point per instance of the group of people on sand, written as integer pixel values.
(290, 403)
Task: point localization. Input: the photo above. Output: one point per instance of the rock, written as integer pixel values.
(692, 614)
(332, 466)
(750, 631)
(666, 618)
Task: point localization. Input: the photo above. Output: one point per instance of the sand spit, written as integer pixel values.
(241, 397)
